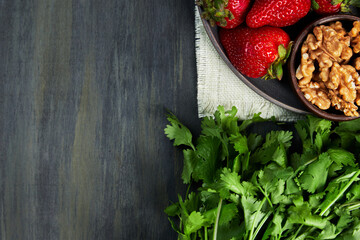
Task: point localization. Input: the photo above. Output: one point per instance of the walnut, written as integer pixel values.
(355, 43)
(355, 30)
(357, 63)
(324, 74)
(337, 26)
(349, 109)
(316, 95)
(347, 88)
(341, 31)
(305, 70)
(331, 43)
(334, 77)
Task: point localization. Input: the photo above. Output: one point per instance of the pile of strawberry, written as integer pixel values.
(251, 31)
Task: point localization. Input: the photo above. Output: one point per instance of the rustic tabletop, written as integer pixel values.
(84, 90)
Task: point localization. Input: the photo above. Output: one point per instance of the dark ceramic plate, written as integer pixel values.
(277, 92)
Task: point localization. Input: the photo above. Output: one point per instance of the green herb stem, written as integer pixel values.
(256, 215)
(262, 223)
(206, 233)
(297, 232)
(266, 196)
(340, 193)
(304, 166)
(217, 219)
(352, 206)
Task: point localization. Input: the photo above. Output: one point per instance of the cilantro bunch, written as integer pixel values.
(243, 185)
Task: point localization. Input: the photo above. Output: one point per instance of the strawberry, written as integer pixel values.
(257, 52)
(277, 13)
(325, 6)
(224, 13)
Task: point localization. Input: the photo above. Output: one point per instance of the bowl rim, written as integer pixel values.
(292, 69)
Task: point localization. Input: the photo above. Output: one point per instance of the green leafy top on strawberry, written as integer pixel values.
(224, 13)
(333, 6)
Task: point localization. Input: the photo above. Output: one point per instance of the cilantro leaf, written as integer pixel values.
(178, 132)
(315, 175)
(231, 182)
(341, 157)
(265, 154)
(302, 215)
(240, 143)
(207, 149)
(252, 211)
(190, 161)
(194, 222)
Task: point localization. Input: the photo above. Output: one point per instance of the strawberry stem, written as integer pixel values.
(276, 70)
(215, 11)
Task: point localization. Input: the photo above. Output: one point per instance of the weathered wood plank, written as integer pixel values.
(84, 90)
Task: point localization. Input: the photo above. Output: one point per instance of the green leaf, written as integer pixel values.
(231, 181)
(227, 120)
(178, 132)
(349, 126)
(314, 131)
(240, 143)
(344, 220)
(255, 119)
(228, 212)
(209, 199)
(341, 157)
(172, 210)
(354, 192)
(232, 231)
(207, 149)
(316, 199)
(314, 5)
(254, 141)
(329, 232)
(280, 156)
(277, 221)
(193, 223)
(252, 211)
(273, 140)
(355, 3)
(303, 215)
(210, 128)
(279, 70)
(315, 174)
(336, 190)
(192, 202)
(281, 51)
(190, 161)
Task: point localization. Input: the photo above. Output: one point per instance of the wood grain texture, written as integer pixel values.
(84, 88)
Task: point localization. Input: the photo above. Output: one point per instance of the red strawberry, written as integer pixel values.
(224, 13)
(277, 13)
(257, 52)
(325, 7)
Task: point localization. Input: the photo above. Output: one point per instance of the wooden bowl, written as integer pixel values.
(294, 62)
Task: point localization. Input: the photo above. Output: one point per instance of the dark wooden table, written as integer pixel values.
(84, 88)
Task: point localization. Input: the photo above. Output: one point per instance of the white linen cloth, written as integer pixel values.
(218, 85)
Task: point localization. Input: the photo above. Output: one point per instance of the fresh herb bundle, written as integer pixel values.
(250, 186)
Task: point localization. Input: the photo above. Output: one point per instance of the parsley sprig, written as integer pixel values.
(243, 185)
